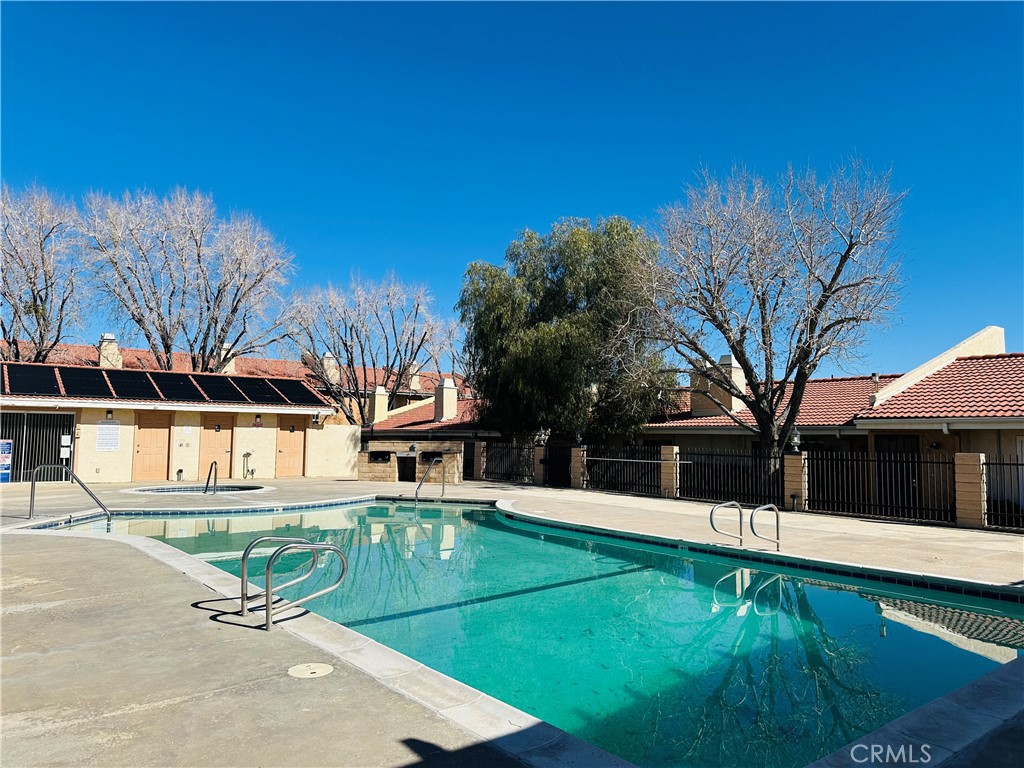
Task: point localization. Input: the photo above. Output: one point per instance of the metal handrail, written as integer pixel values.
(739, 511)
(35, 478)
(314, 548)
(778, 533)
(244, 599)
(424, 478)
(213, 472)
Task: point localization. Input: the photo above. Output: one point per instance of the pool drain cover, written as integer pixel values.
(310, 670)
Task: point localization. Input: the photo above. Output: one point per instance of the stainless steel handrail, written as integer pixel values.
(424, 478)
(35, 478)
(295, 603)
(739, 511)
(778, 533)
(213, 472)
(244, 599)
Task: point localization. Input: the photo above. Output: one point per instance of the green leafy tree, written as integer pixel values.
(539, 331)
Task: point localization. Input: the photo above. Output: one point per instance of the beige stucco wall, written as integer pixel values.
(712, 442)
(104, 466)
(185, 431)
(997, 442)
(259, 442)
(332, 448)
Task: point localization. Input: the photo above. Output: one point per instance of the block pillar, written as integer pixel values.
(971, 491)
(578, 468)
(479, 460)
(794, 481)
(539, 467)
(669, 471)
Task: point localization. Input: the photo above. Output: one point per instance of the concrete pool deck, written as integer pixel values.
(92, 655)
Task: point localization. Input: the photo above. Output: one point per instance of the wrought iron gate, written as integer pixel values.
(37, 440)
(509, 462)
(558, 466)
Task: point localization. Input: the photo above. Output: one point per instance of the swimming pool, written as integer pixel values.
(663, 660)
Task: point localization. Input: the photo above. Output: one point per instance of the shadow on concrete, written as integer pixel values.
(232, 617)
(433, 756)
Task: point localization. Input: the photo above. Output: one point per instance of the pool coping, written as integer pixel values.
(524, 737)
(1009, 593)
(966, 714)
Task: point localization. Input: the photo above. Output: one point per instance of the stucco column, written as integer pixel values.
(794, 481)
(539, 467)
(971, 493)
(669, 471)
(479, 460)
(578, 468)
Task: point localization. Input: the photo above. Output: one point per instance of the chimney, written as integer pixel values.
(446, 401)
(702, 405)
(332, 372)
(378, 405)
(110, 353)
(414, 375)
(225, 350)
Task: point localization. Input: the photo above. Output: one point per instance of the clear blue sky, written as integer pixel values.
(423, 136)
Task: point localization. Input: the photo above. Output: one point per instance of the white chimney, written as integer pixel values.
(446, 401)
(332, 372)
(378, 405)
(225, 350)
(703, 405)
(110, 353)
(414, 375)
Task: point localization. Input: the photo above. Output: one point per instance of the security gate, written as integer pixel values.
(38, 439)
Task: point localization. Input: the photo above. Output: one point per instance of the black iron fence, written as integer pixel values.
(1004, 483)
(630, 469)
(743, 476)
(892, 486)
(509, 462)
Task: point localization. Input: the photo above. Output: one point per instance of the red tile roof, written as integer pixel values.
(826, 403)
(983, 387)
(421, 418)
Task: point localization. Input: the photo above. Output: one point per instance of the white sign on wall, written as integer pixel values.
(108, 436)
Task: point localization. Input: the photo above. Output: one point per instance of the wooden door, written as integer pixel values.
(215, 444)
(152, 445)
(291, 445)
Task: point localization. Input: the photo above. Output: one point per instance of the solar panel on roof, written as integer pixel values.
(219, 388)
(132, 385)
(296, 392)
(84, 382)
(32, 380)
(177, 386)
(259, 391)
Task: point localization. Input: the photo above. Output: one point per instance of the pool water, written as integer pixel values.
(662, 660)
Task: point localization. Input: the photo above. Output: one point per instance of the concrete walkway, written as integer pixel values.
(117, 653)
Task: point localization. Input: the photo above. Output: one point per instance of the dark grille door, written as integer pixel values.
(37, 440)
(557, 465)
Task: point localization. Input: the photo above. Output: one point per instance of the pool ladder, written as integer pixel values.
(288, 544)
(739, 511)
(425, 474)
(76, 478)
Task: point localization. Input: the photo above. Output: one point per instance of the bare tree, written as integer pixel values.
(185, 278)
(781, 276)
(376, 332)
(39, 302)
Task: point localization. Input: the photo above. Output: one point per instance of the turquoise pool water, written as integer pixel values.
(662, 660)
